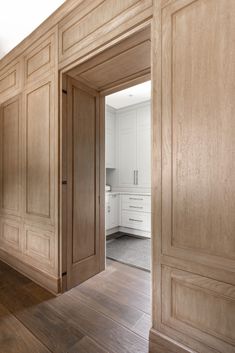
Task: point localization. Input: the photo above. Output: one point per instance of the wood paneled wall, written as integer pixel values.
(29, 162)
(193, 155)
(194, 185)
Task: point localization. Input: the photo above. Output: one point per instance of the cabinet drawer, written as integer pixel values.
(136, 220)
(136, 202)
(135, 206)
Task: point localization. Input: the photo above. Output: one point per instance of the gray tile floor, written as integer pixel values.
(130, 250)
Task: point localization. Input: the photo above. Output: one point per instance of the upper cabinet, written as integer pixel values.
(134, 146)
(127, 147)
(110, 138)
(143, 146)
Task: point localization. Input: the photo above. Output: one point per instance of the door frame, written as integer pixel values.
(63, 113)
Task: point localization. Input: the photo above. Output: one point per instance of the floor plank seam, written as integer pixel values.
(110, 318)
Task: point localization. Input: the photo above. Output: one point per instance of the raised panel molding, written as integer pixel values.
(10, 80)
(200, 307)
(40, 59)
(10, 151)
(94, 19)
(39, 130)
(10, 235)
(198, 183)
(39, 246)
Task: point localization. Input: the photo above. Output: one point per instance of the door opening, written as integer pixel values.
(128, 176)
(84, 172)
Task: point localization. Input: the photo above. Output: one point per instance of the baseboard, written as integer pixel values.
(129, 231)
(160, 343)
(45, 280)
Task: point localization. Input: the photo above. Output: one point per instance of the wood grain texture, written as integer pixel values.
(202, 128)
(196, 203)
(70, 322)
(10, 149)
(83, 182)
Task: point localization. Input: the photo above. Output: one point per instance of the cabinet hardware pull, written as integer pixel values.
(135, 220)
(137, 177)
(136, 207)
(133, 198)
(134, 177)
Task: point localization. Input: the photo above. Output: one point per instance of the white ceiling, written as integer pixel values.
(18, 18)
(133, 95)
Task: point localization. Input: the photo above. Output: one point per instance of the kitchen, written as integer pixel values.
(128, 176)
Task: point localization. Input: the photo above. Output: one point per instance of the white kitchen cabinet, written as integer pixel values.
(127, 148)
(143, 145)
(110, 138)
(135, 214)
(134, 146)
(112, 211)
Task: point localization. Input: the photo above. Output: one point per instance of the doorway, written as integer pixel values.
(128, 176)
(83, 151)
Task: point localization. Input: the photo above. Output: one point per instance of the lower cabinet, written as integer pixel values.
(112, 211)
(130, 213)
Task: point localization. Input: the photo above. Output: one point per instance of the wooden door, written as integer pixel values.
(127, 148)
(84, 258)
(194, 203)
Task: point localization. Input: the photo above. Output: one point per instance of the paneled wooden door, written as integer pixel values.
(85, 228)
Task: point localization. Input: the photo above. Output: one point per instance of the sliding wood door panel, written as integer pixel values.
(198, 128)
(39, 152)
(10, 148)
(83, 183)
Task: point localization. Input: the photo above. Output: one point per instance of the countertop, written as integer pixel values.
(128, 193)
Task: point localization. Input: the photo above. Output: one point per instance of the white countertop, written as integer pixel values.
(128, 193)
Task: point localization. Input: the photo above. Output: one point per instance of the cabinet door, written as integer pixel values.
(107, 214)
(144, 146)
(127, 148)
(110, 151)
(114, 211)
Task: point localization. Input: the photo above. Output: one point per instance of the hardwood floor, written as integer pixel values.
(108, 313)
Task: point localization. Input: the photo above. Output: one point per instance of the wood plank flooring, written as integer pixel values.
(108, 313)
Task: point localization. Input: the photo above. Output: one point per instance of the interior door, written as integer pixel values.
(84, 233)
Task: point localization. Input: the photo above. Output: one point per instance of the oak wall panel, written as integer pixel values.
(39, 247)
(39, 178)
(10, 80)
(10, 150)
(10, 236)
(94, 20)
(197, 305)
(193, 173)
(198, 130)
(40, 58)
